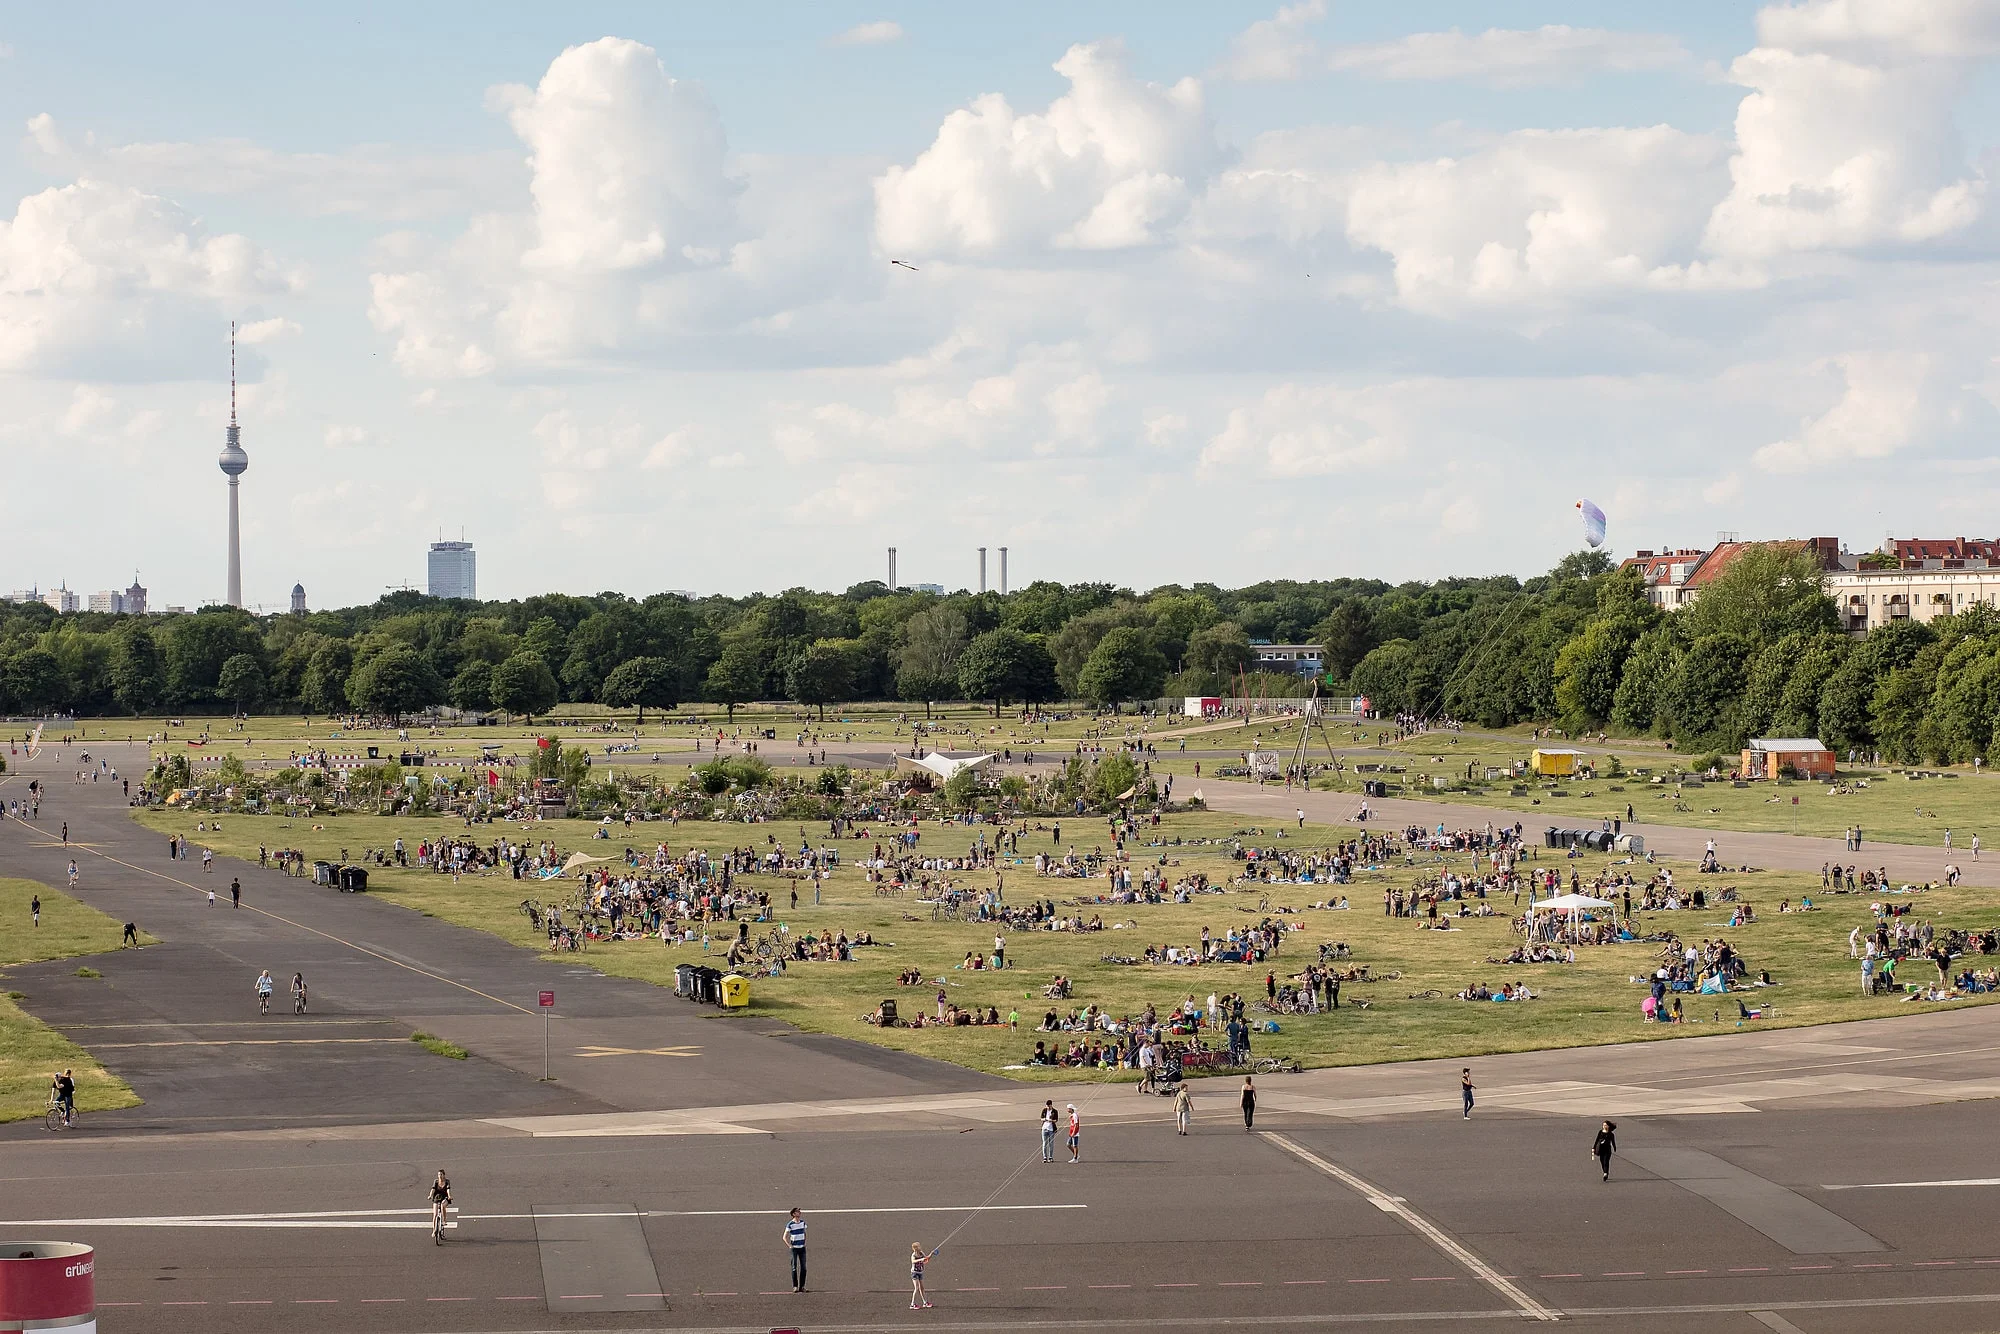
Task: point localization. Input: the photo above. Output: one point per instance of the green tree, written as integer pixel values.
(642, 683)
(927, 664)
(1799, 703)
(1115, 775)
(196, 648)
(1701, 694)
(1771, 590)
(736, 677)
(1588, 669)
(961, 790)
(1394, 677)
(524, 684)
(34, 679)
(241, 682)
(472, 687)
(1640, 702)
(1346, 637)
(1221, 650)
(1177, 618)
(823, 674)
(323, 684)
(1124, 665)
(1007, 664)
(394, 681)
(137, 676)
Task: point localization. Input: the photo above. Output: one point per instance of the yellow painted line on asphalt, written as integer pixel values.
(324, 935)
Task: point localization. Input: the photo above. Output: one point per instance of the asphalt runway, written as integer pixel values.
(1786, 1181)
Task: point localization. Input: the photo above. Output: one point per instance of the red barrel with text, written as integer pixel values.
(47, 1285)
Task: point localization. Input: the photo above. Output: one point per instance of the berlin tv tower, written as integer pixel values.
(233, 461)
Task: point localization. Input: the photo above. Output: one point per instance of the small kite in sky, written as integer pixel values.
(1593, 523)
(911, 267)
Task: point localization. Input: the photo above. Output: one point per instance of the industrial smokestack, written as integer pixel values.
(892, 569)
(1003, 572)
(982, 569)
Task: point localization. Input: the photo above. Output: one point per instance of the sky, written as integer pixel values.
(1188, 291)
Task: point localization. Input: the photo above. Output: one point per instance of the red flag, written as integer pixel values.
(541, 743)
(493, 778)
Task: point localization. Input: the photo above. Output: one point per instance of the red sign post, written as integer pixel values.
(547, 1002)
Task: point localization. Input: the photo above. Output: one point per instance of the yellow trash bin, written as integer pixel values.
(735, 991)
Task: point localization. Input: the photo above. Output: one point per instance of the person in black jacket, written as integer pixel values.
(1604, 1146)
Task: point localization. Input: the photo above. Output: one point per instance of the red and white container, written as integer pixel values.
(47, 1285)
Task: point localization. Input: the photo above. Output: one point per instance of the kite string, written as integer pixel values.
(987, 1203)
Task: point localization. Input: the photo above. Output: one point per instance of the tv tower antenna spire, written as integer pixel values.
(233, 461)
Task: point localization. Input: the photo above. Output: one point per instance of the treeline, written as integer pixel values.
(1760, 653)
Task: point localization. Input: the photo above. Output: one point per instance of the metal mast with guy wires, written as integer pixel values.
(233, 461)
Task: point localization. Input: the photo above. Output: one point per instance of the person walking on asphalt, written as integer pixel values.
(795, 1239)
(1465, 1090)
(235, 892)
(1249, 1102)
(1075, 1136)
(1183, 1109)
(1049, 1131)
(1604, 1146)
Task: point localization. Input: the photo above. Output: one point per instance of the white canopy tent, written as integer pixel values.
(1570, 903)
(941, 766)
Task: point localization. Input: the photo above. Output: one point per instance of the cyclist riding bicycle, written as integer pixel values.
(264, 988)
(298, 993)
(62, 1093)
(440, 1201)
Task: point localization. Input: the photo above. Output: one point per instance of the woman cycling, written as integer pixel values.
(440, 1201)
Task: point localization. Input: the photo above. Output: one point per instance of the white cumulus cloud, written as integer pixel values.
(1110, 164)
(107, 280)
(1847, 138)
(1276, 48)
(1512, 57)
(871, 34)
(1879, 412)
(1540, 214)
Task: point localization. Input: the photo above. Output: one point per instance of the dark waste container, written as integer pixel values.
(374, 752)
(354, 879)
(888, 1010)
(1549, 837)
(708, 986)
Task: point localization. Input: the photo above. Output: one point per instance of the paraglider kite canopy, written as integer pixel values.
(1593, 523)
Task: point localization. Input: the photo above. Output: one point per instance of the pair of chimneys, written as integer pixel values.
(1003, 570)
(893, 585)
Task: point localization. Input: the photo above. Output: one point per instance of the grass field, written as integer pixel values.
(1588, 1003)
(30, 1051)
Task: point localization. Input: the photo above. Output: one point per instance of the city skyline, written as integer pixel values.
(1350, 284)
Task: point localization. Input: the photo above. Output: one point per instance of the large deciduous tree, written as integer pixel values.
(1007, 664)
(642, 683)
(524, 684)
(1124, 665)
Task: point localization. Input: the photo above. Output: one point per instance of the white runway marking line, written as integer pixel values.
(1525, 1306)
(1910, 1185)
(421, 1218)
